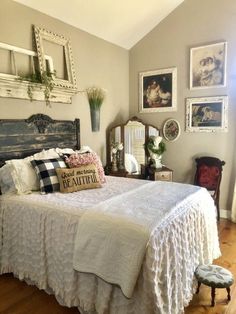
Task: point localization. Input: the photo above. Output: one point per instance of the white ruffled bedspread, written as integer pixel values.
(38, 237)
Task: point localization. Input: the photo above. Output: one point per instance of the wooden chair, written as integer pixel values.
(208, 174)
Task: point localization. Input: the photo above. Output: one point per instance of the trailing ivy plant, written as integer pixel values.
(45, 79)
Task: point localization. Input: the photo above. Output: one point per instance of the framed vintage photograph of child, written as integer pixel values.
(207, 114)
(157, 90)
(208, 66)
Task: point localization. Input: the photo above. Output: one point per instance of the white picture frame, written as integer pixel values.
(158, 90)
(43, 35)
(207, 114)
(208, 66)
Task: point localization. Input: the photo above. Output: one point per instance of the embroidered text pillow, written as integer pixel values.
(80, 178)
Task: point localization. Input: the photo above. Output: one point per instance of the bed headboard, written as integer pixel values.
(23, 137)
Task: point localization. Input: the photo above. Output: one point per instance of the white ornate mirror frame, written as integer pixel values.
(42, 34)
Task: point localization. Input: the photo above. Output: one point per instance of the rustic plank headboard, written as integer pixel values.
(22, 137)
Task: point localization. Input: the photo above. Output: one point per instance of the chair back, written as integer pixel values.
(209, 172)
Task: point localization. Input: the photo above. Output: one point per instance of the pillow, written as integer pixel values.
(62, 151)
(23, 174)
(46, 172)
(7, 182)
(76, 179)
(76, 160)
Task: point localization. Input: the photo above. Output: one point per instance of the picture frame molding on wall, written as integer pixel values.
(208, 66)
(208, 110)
(167, 81)
(171, 130)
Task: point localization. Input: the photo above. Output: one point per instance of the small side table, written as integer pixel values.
(119, 173)
(160, 174)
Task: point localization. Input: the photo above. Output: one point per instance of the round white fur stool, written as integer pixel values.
(214, 276)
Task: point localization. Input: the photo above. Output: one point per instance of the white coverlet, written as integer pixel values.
(37, 241)
(114, 234)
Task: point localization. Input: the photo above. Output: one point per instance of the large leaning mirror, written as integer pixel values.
(132, 135)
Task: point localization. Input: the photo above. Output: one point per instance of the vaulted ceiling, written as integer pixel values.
(121, 22)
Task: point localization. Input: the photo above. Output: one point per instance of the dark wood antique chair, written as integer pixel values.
(208, 174)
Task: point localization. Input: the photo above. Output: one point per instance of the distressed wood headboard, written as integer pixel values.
(23, 137)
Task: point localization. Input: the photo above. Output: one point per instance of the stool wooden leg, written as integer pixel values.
(213, 293)
(228, 290)
(198, 287)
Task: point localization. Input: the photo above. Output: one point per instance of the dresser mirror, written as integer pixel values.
(132, 135)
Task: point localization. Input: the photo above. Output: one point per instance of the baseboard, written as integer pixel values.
(225, 214)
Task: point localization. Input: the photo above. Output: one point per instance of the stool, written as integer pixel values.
(214, 276)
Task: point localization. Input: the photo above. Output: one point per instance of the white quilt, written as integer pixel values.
(37, 242)
(114, 234)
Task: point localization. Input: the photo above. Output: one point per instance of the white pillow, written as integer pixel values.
(62, 151)
(23, 174)
(7, 183)
(18, 175)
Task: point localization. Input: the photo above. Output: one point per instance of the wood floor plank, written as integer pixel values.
(201, 302)
(16, 297)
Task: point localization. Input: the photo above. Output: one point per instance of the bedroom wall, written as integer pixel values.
(194, 23)
(97, 62)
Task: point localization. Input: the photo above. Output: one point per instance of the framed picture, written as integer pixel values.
(208, 66)
(207, 114)
(157, 90)
(171, 130)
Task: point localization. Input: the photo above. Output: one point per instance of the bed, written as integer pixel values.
(39, 232)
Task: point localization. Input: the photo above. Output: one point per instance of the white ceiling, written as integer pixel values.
(121, 22)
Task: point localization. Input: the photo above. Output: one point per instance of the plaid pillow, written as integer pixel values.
(46, 172)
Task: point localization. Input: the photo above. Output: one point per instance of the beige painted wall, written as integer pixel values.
(97, 62)
(194, 23)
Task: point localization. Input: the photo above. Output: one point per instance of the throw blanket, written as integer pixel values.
(112, 237)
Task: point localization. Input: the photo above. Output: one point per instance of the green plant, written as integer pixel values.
(45, 79)
(96, 96)
(155, 145)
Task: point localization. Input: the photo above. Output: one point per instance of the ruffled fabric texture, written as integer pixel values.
(37, 243)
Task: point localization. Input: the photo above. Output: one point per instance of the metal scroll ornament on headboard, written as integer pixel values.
(41, 121)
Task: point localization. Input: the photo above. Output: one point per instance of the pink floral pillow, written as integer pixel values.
(76, 160)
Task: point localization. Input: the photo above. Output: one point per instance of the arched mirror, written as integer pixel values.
(131, 155)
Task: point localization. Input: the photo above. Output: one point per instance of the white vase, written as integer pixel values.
(156, 161)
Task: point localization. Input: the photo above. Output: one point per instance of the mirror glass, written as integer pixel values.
(133, 135)
(134, 153)
(115, 137)
(153, 131)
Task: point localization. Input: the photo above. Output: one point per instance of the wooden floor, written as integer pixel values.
(201, 302)
(17, 297)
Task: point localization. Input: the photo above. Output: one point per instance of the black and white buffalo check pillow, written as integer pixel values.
(46, 172)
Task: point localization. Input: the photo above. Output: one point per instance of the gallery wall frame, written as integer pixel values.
(207, 114)
(42, 35)
(208, 66)
(158, 90)
(171, 130)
